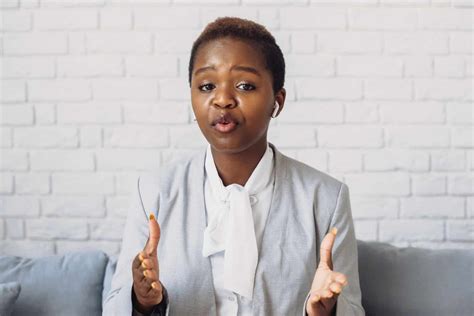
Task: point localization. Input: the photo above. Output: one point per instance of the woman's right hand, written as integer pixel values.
(146, 274)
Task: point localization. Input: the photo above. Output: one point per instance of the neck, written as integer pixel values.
(238, 167)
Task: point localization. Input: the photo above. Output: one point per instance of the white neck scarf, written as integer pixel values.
(232, 229)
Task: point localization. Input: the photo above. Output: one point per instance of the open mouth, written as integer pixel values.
(226, 127)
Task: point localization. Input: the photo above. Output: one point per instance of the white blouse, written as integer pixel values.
(229, 302)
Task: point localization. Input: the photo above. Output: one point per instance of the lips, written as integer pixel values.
(225, 123)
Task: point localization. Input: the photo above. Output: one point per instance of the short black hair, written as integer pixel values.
(250, 31)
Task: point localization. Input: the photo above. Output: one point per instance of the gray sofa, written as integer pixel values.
(394, 281)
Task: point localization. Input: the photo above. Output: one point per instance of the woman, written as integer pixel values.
(238, 228)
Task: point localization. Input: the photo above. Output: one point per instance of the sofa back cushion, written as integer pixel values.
(415, 281)
(69, 284)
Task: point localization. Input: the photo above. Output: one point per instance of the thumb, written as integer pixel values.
(326, 249)
(153, 237)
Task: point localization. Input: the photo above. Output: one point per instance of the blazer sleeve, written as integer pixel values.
(345, 257)
(135, 235)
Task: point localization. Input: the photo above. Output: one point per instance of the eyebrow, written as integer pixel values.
(237, 67)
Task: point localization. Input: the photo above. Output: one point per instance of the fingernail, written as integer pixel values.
(334, 230)
(140, 256)
(152, 217)
(144, 273)
(154, 285)
(143, 265)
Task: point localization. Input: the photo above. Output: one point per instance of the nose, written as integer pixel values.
(224, 98)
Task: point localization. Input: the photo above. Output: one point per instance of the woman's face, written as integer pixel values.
(230, 82)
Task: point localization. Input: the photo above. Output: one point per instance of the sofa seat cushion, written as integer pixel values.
(69, 284)
(415, 281)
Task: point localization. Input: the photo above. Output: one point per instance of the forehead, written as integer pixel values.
(229, 51)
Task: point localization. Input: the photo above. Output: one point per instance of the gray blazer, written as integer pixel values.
(306, 203)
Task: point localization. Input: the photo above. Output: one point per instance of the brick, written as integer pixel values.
(62, 160)
(415, 43)
(90, 136)
(269, 17)
(462, 137)
(329, 89)
(15, 206)
(442, 245)
(122, 159)
(460, 230)
(388, 89)
(118, 42)
(15, 21)
(310, 65)
(9, 4)
(428, 184)
(13, 160)
(380, 184)
(373, 66)
(448, 160)
(361, 112)
(53, 228)
(89, 113)
(15, 228)
(82, 183)
(449, 66)
(66, 19)
(459, 113)
(28, 67)
(32, 183)
(445, 19)
(73, 206)
(111, 248)
(321, 112)
(175, 41)
(350, 136)
(46, 137)
(186, 136)
(115, 19)
(172, 89)
(45, 114)
(117, 206)
(349, 42)
(432, 207)
(35, 44)
(6, 183)
(165, 18)
(461, 184)
(460, 42)
(282, 136)
(302, 42)
(365, 230)
(110, 229)
(374, 207)
(16, 115)
(125, 89)
(394, 159)
(59, 90)
(413, 112)
(420, 137)
(411, 230)
(418, 66)
(6, 137)
(89, 66)
(470, 206)
(136, 136)
(382, 18)
(315, 158)
(152, 66)
(164, 112)
(211, 13)
(345, 161)
(13, 91)
(26, 248)
(312, 18)
(71, 3)
(77, 43)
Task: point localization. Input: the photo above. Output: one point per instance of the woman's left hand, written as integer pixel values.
(327, 284)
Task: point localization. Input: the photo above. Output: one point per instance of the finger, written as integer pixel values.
(315, 298)
(335, 287)
(154, 236)
(326, 248)
(147, 264)
(150, 274)
(326, 293)
(340, 278)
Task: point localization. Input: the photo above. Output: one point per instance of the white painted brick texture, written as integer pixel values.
(94, 93)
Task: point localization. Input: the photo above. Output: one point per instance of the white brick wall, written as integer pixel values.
(95, 92)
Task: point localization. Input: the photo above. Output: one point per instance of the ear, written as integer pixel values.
(280, 98)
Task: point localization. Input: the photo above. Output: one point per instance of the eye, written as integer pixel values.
(206, 86)
(247, 86)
